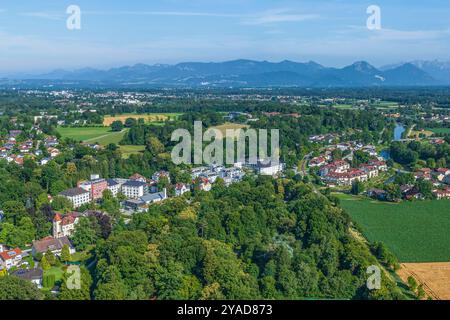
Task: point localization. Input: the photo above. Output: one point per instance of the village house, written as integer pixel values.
(11, 258)
(380, 165)
(64, 226)
(180, 189)
(338, 166)
(160, 174)
(204, 184)
(317, 162)
(32, 275)
(378, 194)
(370, 170)
(55, 246)
(424, 173)
(440, 174)
(53, 152)
(345, 178)
(442, 193)
(138, 177)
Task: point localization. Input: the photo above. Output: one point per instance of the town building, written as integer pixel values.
(78, 196)
(32, 275)
(180, 189)
(95, 188)
(267, 168)
(64, 226)
(55, 245)
(11, 258)
(134, 189)
(113, 186)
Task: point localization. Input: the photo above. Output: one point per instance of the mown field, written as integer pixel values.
(153, 117)
(230, 126)
(129, 150)
(414, 231)
(100, 135)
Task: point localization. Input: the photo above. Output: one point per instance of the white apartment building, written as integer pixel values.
(77, 196)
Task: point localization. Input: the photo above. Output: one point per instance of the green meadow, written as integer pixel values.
(100, 135)
(416, 231)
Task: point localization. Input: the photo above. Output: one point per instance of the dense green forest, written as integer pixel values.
(257, 239)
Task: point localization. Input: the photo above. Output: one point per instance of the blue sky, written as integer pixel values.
(34, 37)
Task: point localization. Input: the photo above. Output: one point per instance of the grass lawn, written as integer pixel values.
(57, 271)
(129, 150)
(414, 231)
(100, 135)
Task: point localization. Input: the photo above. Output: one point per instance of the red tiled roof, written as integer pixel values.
(10, 254)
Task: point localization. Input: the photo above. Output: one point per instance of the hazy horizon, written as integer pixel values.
(34, 37)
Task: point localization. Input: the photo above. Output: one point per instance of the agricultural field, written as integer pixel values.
(153, 117)
(100, 135)
(414, 231)
(435, 277)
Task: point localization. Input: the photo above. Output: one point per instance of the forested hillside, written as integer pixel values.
(256, 239)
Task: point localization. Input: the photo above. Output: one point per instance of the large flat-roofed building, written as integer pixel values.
(95, 187)
(77, 196)
(134, 189)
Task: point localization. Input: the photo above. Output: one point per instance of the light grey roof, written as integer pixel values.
(33, 274)
(132, 183)
(152, 197)
(73, 192)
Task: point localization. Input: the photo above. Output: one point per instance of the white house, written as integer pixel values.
(64, 226)
(134, 189)
(32, 275)
(267, 168)
(11, 258)
(113, 186)
(180, 189)
(77, 196)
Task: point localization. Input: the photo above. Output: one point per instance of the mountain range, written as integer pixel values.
(249, 73)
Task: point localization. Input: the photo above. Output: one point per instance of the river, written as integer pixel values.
(399, 129)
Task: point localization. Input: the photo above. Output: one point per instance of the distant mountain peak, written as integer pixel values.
(251, 73)
(363, 66)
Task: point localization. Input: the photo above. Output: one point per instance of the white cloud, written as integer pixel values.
(43, 15)
(278, 16)
(259, 18)
(164, 13)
